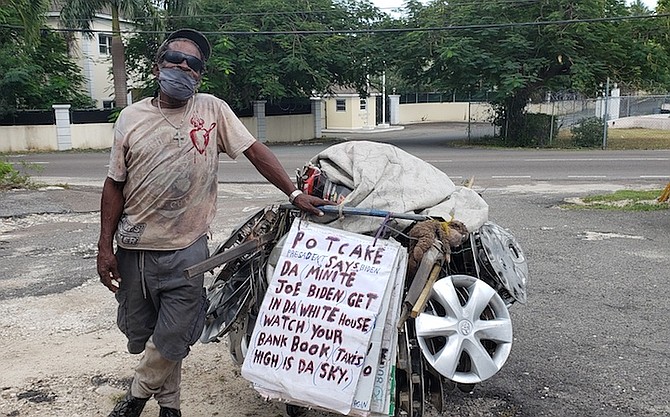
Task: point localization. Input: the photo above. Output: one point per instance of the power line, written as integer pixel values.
(324, 11)
(308, 12)
(384, 30)
(444, 28)
(269, 13)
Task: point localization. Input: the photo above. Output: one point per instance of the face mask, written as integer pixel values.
(176, 83)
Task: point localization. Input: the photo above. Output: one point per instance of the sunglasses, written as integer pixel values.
(176, 57)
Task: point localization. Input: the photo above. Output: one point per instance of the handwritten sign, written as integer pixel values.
(312, 334)
(372, 393)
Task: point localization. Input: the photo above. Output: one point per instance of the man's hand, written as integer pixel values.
(268, 165)
(108, 270)
(308, 203)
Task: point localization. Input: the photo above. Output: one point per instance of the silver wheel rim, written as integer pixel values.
(506, 258)
(465, 333)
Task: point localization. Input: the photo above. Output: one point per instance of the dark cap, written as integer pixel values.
(195, 37)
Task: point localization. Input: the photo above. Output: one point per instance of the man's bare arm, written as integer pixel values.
(111, 208)
(268, 165)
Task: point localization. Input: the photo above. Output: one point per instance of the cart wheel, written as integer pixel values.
(295, 411)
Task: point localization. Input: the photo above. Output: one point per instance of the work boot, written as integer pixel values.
(169, 412)
(129, 407)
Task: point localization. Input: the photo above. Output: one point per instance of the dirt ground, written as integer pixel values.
(62, 354)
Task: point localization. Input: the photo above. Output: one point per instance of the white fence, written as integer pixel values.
(444, 112)
(293, 128)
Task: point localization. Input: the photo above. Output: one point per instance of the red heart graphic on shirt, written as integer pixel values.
(200, 139)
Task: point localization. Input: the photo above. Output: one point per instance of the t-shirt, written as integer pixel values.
(169, 163)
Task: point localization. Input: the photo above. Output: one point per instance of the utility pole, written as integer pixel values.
(384, 98)
(384, 125)
(606, 115)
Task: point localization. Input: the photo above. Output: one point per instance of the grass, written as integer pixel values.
(623, 139)
(11, 178)
(617, 139)
(638, 139)
(621, 200)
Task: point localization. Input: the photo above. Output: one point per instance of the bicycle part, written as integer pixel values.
(355, 211)
(417, 372)
(404, 387)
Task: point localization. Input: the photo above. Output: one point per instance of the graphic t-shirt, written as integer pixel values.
(170, 169)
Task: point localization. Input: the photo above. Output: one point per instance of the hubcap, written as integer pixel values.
(465, 332)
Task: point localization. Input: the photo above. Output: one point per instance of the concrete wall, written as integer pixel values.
(28, 138)
(251, 124)
(285, 129)
(655, 121)
(292, 128)
(479, 112)
(561, 107)
(92, 136)
(444, 112)
(43, 138)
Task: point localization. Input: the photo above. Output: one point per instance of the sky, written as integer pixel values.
(387, 5)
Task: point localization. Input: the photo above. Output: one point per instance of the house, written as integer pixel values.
(346, 109)
(92, 52)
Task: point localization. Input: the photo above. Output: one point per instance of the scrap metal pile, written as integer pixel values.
(463, 271)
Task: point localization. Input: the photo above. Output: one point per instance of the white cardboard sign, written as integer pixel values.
(372, 391)
(311, 337)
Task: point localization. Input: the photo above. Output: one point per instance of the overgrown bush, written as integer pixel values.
(588, 133)
(538, 129)
(12, 178)
(531, 130)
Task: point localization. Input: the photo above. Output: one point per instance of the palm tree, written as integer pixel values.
(31, 13)
(78, 14)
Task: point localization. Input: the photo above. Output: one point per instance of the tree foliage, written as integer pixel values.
(269, 49)
(495, 49)
(247, 66)
(35, 73)
(28, 13)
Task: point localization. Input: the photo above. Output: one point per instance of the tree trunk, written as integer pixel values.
(118, 62)
(514, 120)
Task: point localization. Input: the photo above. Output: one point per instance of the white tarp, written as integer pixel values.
(385, 177)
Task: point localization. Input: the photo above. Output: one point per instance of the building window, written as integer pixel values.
(108, 104)
(364, 104)
(340, 105)
(105, 44)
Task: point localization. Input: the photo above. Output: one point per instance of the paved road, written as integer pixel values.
(490, 167)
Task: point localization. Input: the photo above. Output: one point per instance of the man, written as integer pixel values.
(158, 202)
